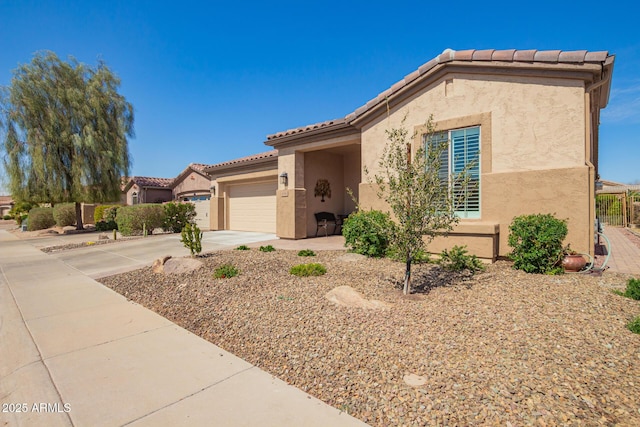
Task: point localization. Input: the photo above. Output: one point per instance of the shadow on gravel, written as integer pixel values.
(425, 280)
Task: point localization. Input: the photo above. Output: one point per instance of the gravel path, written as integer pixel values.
(503, 347)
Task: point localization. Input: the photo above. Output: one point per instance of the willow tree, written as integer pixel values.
(424, 192)
(65, 132)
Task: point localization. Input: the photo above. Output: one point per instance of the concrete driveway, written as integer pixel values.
(113, 258)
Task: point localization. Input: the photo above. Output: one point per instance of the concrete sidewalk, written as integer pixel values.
(73, 352)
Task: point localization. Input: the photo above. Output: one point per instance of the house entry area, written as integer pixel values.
(327, 175)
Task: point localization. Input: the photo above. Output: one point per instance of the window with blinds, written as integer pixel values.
(463, 152)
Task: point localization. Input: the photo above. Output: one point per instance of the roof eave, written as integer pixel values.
(211, 170)
(337, 129)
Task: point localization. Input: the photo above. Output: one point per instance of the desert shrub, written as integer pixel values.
(225, 271)
(304, 270)
(537, 243)
(131, 220)
(21, 218)
(177, 216)
(242, 248)
(306, 252)
(634, 325)
(192, 238)
(111, 213)
(101, 213)
(40, 218)
(106, 225)
(633, 289)
(64, 214)
(457, 259)
(267, 248)
(7, 217)
(20, 210)
(368, 232)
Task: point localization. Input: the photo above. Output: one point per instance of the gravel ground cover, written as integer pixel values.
(500, 348)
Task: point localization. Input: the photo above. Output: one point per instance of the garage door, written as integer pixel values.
(252, 207)
(203, 208)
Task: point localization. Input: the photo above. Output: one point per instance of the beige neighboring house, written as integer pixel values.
(194, 185)
(529, 117)
(144, 189)
(6, 203)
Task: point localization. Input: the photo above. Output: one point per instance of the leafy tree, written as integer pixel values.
(65, 132)
(411, 182)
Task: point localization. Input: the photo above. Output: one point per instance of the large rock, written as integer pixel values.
(168, 265)
(348, 297)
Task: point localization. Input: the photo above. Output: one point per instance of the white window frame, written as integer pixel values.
(450, 165)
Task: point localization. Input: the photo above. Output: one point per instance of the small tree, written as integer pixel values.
(421, 199)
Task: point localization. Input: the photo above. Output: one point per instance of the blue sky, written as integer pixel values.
(209, 80)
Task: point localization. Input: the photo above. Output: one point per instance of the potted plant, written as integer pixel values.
(572, 261)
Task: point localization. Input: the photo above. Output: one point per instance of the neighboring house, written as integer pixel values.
(143, 189)
(244, 193)
(531, 117)
(6, 203)
(194, 185)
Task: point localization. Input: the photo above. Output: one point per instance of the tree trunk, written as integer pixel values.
(407, 276)
(79, 225)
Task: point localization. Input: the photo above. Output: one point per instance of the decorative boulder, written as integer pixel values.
(348, 297)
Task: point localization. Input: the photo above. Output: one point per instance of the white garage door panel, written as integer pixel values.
(203, 208)
(252, 207)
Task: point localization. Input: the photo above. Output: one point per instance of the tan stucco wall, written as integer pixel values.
(532, 154)
(190, 184)
(537, 123)
(352, 177)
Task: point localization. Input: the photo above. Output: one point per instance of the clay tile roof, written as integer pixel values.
(524, 55)
(5, 200)
(546, 56)
(147, 181)
(247, 159)
(307, 128)
(200, 167)
(470, 55)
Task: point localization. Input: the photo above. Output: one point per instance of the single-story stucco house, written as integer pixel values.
(6, 203)
(194, 185)
(531, 117)
(144, 189)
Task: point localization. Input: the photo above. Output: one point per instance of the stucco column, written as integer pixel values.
(291, 198)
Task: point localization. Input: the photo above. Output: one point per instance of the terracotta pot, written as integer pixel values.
(573, 263)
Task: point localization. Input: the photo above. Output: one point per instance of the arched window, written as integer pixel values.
(134, 198)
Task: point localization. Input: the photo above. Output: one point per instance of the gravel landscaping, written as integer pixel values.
(502, 347)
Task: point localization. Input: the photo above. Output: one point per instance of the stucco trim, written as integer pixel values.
(252, 176)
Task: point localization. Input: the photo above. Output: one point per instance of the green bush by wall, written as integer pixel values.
(132, 220)
(64, 214)
(40, 219)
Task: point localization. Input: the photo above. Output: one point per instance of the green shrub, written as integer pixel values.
(64, 214)
(456, 259)
(242, 248)
(177, 216)
(106, 225)
(304, 270)
(267, 248)
(100, 213)
(192, 238)
(368, 232)
(633, 289)
(132, 220)
(634, 325)
(537, 243)
(7, 217)
(225, 271)
(306, 252)
(40, 218)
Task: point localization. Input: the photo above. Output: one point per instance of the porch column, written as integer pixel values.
(291, 197)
